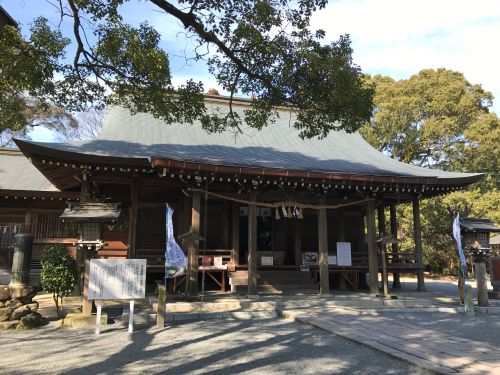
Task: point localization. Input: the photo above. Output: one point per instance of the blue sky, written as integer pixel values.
(391, 37)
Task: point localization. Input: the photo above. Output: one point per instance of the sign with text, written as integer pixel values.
(344, 254)
(117, 279)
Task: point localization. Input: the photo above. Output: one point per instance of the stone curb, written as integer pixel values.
(239, 315)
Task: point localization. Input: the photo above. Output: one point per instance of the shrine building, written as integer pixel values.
(278, 212)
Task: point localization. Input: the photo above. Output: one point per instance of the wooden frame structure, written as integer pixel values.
(266, 194)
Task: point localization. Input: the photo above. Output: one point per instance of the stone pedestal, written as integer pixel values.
(21, 263)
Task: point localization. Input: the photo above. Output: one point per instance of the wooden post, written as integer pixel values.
(192, 276)
(396, 281)
(418, 245)
(86, 303)
(186, 218)
(372, 247)
(383, 247)
(160, 309)
(482, 289)
(297, 242)
(132, 223)
(324, 277)
(235, 237)
(252, 246)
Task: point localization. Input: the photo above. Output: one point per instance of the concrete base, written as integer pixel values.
(83, 321)
(141, 319)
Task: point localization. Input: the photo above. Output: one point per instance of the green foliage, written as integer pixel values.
(423, 120)
(259, 48)
(438, 119)
(26, 80)
(59, 275)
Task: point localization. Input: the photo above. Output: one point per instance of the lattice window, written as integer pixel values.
(150, 228)
(49, 225)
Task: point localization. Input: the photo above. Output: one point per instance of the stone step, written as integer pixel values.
(238, 315)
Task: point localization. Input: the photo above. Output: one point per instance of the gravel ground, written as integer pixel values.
(482, 327)
(268, 346)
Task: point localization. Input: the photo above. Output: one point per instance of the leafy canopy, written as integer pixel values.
(259, 48)
(425, 120)
(438, 119)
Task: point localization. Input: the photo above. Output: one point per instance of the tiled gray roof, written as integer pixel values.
(17, 173)
(276, 146)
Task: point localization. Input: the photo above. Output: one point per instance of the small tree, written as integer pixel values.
(59, 275)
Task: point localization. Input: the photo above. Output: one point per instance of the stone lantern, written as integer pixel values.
(90, 218)
(476, 239)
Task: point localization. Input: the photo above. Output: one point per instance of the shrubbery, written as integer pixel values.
(59, 275)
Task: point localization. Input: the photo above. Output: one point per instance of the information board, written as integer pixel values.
(344, 254)
(117, 279)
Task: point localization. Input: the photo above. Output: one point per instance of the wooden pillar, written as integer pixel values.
(324, 277)
(132, 222)
(193, 246)
(396, 282)
(297, 242)
(186, 221)
(372, 247)
(252, 246)
(235, 236)
(383, 247)
(85, 196)
(418, 244)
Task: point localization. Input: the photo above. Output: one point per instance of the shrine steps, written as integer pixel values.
(279, 281)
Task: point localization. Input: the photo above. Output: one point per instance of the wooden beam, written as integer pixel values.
(235, 234)
(396, 281)
(372, 247)
(132, 222)
(252, 246)
(417, 233)
(193, 246)
(324, 277)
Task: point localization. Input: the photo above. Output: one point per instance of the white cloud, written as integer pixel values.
(399, 38)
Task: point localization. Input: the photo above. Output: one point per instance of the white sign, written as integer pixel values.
(117, 279)
(217, 261)
(266, 261)
(344, 254)
(332, 259)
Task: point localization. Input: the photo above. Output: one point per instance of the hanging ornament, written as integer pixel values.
(283, 211)
(288, 212)
(299, 214)
(277, 217)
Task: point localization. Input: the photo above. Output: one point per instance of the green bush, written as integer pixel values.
(59, 275)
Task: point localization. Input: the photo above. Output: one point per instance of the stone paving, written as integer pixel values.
(426, 348)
